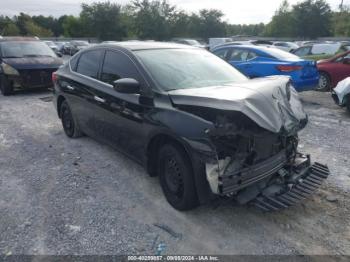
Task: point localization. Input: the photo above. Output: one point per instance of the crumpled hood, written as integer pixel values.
(267, 101)
(33, 62)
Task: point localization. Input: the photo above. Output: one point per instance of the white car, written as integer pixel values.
(341, 94)
(286, 46)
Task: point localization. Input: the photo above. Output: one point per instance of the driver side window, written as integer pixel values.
(117, 65)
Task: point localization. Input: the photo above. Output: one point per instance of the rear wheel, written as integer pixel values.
(324, 83)
(176, 177)
(70, 126)
(6, 86)
(348, 103)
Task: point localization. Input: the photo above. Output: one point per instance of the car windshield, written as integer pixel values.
(25, 49)
(187, 68)
(281, 55)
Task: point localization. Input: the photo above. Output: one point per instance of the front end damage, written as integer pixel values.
(265, 170)
(255, 145)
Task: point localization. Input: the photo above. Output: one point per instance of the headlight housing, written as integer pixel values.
(9, 70)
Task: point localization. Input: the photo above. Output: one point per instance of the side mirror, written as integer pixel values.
(127, 86)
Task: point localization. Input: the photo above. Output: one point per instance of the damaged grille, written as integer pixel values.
(36, 77)
(232, 182)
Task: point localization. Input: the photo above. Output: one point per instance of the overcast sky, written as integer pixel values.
(236, 11)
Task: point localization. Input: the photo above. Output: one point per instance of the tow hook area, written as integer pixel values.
(298, 189)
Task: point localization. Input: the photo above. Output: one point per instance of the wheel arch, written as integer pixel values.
(204, 192)
(156, 142)
(60, 100)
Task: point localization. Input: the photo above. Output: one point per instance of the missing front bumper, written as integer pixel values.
(300, 189)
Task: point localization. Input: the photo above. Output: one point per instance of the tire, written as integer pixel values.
(6, 86)
(324, 84)
(70, 126)
(348, 103)
(176, 177)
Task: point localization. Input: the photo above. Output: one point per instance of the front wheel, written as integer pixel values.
(176, 177)
(6, 86)
(324, 83)
(70, 126)
(348, 103)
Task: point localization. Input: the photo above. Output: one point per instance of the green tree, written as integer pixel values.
(152, 19)
(49, 23)
(341, 22)
(282, 23)
(211, 24)
(32, 29)
(72, 27)
(103, 20)
(8, 27)
(312, 18)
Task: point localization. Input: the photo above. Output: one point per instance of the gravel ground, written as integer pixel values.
(63, 196)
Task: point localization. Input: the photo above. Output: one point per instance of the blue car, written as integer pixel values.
(260, 61)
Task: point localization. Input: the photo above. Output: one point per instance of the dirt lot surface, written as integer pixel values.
(63, 196)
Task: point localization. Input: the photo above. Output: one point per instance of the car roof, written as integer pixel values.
(17, 38)
(143, 45)
(255, 47)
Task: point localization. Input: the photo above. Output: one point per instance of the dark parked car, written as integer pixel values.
(333, 70)
(76, 46)
(26, 63)
(191, 119)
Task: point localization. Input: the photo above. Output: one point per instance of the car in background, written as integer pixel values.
(191, 42)
(319, 51)
(54, 47)
(286, 46)
(60, 46)
(260, 61)
(26, 63)
(191, 119)
(76, 46)
(341, 93)
(217, 41)
(333, 70)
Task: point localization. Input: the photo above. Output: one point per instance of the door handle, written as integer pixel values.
(70, 87)
(99, 99)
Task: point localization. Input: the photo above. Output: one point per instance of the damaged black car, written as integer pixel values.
(192, 120)
(25, 63)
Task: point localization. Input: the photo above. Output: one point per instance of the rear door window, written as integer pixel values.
(117, 65)
(89, 63)
(251, 55)
(222, 53)
(239, 55)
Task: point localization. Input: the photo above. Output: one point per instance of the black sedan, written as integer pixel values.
(193, 120)
(25, 63)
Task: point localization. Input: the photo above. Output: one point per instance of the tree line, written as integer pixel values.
(159, 20)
